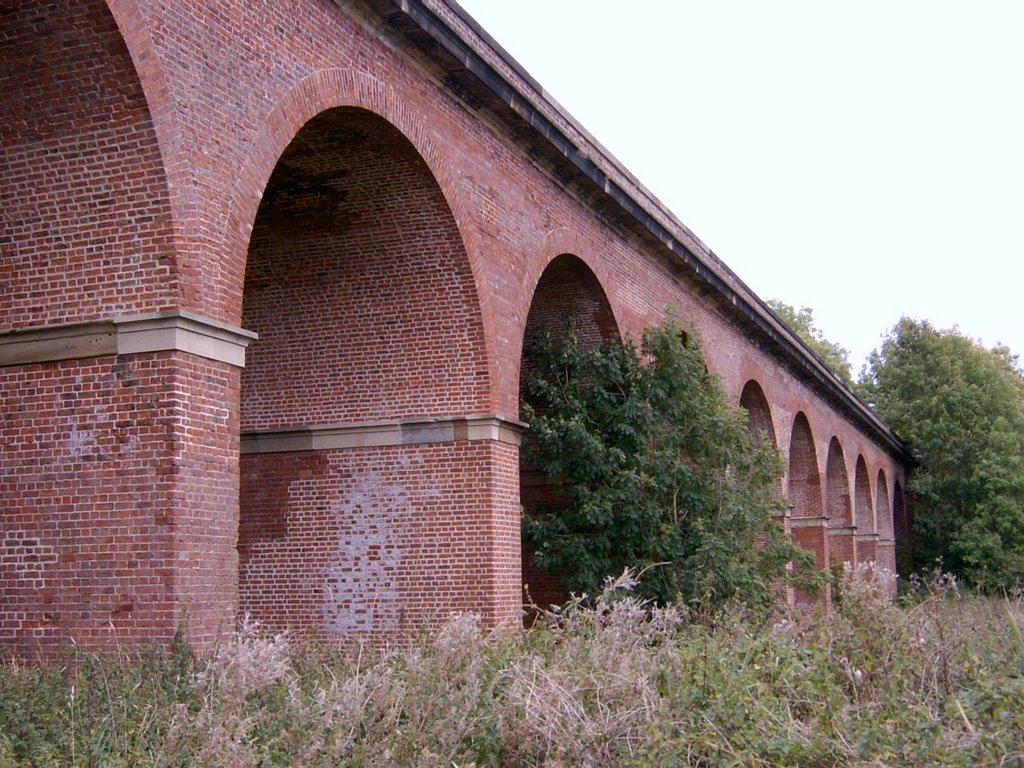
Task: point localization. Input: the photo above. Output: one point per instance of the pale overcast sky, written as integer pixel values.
(865, 159)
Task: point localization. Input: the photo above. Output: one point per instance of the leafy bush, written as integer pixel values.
(653, 469)
(961, 407)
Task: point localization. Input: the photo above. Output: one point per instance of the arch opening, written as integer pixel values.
(867, 535)
(568, 292)
(365, 500)
(85, 220)
(759, 415)
(804, 476)
(568, 295)
(886, 555)
(809, 525)
(842, 544)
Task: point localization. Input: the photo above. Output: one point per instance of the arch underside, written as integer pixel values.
(568, 296)
(371, 348)
(85, 231)
(842, 541)
(759, 415)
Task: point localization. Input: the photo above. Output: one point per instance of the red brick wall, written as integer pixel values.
(378, 542)
(84, 212)
(117, 496)
(131, 175)
(204, 474)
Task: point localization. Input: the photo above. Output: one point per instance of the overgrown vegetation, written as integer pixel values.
(801, 322)
(961, 407)
(652, 469)
(616, 683)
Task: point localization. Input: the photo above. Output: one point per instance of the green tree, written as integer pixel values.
(961, 406)
(653, 469)
(801, 322)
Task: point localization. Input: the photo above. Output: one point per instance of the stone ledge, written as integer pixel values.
(818, 521)
(63, 342)
(173, 330)
(384, 433)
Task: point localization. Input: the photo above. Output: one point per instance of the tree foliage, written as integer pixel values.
(653, 469)
(801, 322)
(961, 406)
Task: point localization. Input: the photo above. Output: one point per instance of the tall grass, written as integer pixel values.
(605, 682)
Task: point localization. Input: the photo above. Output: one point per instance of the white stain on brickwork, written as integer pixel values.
(80, 441)
(361, 593)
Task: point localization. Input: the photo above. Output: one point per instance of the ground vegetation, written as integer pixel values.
(613, 682)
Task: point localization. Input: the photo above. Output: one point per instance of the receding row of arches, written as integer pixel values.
(361, 288)
(839, 521)
(375, 485)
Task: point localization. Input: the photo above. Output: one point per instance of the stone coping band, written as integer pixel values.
(818, 521)
(172, 330)
(384, 433)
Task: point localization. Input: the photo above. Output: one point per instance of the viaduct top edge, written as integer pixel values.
(477, 55)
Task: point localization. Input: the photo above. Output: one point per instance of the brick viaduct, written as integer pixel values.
(267, 269)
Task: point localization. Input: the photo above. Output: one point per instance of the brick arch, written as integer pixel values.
(837, 491)
(364, 398)
(864, 514)
(838, 508)
(566, 291)
(762, 429)
(804, 492)
(883, 509)
(321, 91)
(759, 414)
(563, 240)
(885, 553)
(804, 489)
(95, 219)
(355, 254)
